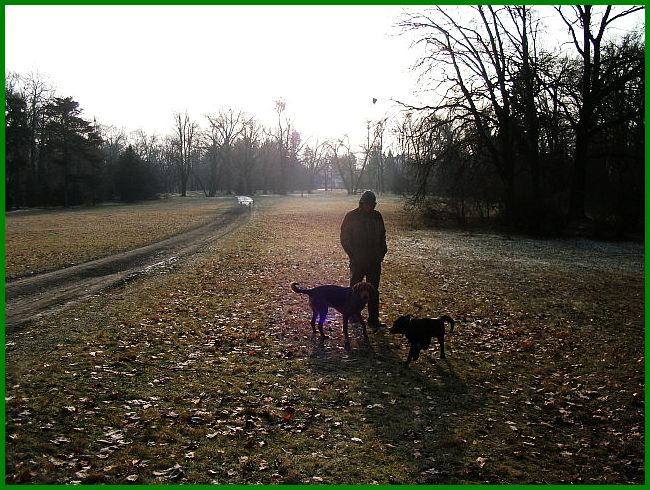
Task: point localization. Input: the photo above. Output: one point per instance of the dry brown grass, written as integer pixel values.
(209, 372)
(42, 240)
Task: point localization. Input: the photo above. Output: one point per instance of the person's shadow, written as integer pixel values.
(413, 411)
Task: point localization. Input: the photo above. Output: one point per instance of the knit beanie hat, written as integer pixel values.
(368, 197)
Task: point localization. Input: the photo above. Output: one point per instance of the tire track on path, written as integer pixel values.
(31, 297)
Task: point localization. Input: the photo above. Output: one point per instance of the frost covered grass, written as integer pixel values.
(42, 240)
(209, 372)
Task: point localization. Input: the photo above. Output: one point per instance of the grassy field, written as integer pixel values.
(42, 240)
(209, 373)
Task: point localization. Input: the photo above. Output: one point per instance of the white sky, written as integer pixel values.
(134, 66)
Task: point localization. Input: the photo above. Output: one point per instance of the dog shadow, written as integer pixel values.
(411, 409)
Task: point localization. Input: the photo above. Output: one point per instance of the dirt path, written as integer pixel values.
(30, 297)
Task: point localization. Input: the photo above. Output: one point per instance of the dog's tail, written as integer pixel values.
(450, 320)
(297, 289)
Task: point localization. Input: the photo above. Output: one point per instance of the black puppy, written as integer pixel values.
(419, 331)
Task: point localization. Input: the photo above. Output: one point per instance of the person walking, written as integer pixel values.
(363, 237)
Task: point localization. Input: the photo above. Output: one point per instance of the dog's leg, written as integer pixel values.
(363, 325)
(345, 332)
(313, 320)
(322, 316)
(409, 358)
(416, 351)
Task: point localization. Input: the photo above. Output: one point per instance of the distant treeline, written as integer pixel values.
(55, 157)
(538, 138)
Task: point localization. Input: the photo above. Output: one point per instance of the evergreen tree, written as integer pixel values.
(134, 181)
(16, 149)
(71, 154)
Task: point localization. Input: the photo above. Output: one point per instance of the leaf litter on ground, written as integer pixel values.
(210, 373)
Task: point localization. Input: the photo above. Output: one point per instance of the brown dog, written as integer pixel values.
(349, 301)
(419, 331)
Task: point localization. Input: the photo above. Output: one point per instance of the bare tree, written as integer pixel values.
(168, 164)
(424, 142)
(115, 141)
(373, 150)
(186, 148)
(470, 63)
(283, 142)
(345, 164)
(224, 129)
(314, 160)
(37, 92)
(527, 89)
(248, 149)
(145, 145)
(588, 25)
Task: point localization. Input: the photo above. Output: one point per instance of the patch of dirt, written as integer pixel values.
(34, 296)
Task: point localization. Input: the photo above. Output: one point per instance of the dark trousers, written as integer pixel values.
(372, 273)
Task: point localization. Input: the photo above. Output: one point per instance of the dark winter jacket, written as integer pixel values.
(363, 236)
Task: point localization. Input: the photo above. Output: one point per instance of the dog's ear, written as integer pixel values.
(363, 290)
